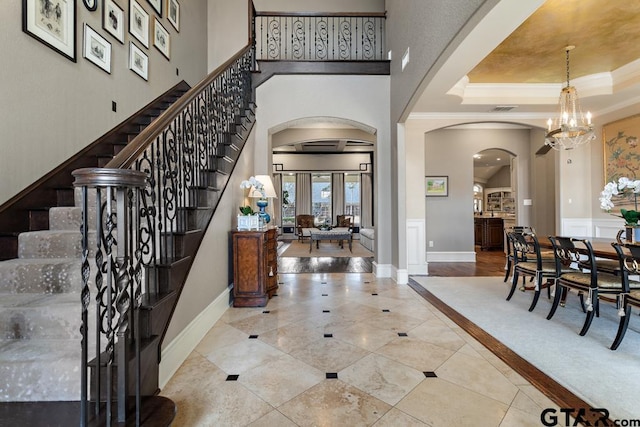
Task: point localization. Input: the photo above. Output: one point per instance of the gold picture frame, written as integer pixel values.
(621, 152)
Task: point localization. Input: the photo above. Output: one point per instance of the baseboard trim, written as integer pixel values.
(382, 270)
(451, 257)
(174, 354)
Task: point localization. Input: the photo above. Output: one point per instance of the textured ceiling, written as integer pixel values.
(605, 33)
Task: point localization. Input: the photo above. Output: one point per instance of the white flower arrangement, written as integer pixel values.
(624, 186)
(257, 185)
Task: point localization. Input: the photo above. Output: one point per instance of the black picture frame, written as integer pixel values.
(48, 28)
(157, 6)
(91, 5)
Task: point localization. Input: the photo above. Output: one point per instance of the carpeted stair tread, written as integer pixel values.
(52, 243)
(41, 275)
(39, 370)
(39, 316)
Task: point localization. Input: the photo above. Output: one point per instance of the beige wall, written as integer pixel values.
(52, 107)
(229, 30)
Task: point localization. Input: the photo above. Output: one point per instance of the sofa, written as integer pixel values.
(368, 238)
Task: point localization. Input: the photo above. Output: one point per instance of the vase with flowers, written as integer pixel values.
(625, 190)
(256, 186)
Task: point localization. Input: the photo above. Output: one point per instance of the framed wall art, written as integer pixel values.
(90, 4)
(113, 19)
(157, 6)
(139, 22)
(52, 22)
(621, 150)
(138, 61)
(437, 186)
(96, 49)
(161, 38)
(173, 13)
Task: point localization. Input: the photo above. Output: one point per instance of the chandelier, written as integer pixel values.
(570, 129)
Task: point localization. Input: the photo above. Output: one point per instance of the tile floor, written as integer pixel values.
(347, 350)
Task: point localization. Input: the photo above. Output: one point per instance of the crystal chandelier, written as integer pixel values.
(570, 129)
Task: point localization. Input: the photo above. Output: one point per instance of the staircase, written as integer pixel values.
(40, 279)
(180, 163)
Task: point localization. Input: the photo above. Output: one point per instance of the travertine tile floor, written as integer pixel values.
(331, 350)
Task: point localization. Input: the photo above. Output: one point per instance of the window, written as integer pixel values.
(288, 199)
(352, 196)
(321, 197)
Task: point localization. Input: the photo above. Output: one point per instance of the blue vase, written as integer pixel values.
(262, 204)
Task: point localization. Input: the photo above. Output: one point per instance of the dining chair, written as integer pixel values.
(611, 266)
(592, 282)
(509, 255)
(529, 262)
(629, 260)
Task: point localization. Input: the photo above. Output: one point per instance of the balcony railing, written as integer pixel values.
(320, 37)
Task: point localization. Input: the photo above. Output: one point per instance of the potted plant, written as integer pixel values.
(624, 189)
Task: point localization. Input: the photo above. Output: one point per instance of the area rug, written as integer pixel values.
(584, 365)
(325, 249)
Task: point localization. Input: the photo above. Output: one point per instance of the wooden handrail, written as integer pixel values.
(139, 144)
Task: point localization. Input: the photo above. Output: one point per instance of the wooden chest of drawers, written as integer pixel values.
(255, 267)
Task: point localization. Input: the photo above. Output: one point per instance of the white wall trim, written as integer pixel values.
(183, 344)
(382, 270)
(416, 246)
(401, 276)
(591, 227)
(451, 256)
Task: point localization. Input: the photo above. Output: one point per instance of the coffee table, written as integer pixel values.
(339, 233)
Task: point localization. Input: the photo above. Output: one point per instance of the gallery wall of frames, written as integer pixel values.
(149, 24)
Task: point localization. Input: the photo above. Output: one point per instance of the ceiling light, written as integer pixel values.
(570, 129)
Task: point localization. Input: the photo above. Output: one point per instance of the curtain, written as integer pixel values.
(303, 193)
(366, 201)
(277, 203)
(337, 195)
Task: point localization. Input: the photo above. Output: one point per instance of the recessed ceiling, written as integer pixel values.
(526, 69)
(605, 35)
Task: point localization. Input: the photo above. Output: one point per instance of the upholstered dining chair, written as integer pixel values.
(509, 254)
(591, 282)
(610, 266)
(529, 262)
(629, 260)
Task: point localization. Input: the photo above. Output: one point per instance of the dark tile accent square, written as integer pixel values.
(274, 295)
(430, 374)
(402, 334)
(332, 375)
(325, 295)
(326, 311)
(375, 295)
(232, 377)
(253, 337)
(328, 335)
(323, 283)
(386, 310)
(367, 282)
(267, 311)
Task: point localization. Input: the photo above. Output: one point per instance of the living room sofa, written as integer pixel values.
(368, 238)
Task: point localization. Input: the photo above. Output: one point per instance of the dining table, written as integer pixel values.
(602, 247)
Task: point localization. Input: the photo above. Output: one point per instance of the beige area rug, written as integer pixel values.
(326, 248)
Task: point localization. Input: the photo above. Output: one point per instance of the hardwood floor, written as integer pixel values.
(488, 263)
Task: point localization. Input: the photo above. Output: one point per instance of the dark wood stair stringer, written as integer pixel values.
(28, 210)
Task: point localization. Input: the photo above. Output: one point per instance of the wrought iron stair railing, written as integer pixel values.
(144, 214)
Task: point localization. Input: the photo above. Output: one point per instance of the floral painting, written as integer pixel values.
(621, 150)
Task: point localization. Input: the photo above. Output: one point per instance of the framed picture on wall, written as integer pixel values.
(53, 23)
(161, 38)
(139, 22)
(96, 49)
(157, 6)
(113, 19)
(138, 61)
(173, 13)
(437, 186)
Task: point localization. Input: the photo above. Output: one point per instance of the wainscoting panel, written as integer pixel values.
(416, 247)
